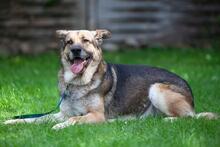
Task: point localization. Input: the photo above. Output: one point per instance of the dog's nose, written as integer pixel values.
(76, 51)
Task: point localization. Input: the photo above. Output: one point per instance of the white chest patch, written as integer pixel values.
(68, 76)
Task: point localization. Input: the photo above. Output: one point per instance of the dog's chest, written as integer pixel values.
(79, 100)
(73, 107)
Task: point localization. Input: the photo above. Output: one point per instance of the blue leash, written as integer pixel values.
(40, 114)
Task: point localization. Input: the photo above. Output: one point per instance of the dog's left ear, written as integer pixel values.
(101, 34)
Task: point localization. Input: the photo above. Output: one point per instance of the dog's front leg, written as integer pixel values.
(57, 117)
(91, 117)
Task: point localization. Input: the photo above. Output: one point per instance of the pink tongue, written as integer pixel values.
(77, 66)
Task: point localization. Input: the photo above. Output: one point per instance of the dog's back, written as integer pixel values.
(133, 83)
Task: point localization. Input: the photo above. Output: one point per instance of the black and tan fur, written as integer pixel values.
(106, 91)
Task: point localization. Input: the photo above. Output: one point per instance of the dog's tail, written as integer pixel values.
(207, 115)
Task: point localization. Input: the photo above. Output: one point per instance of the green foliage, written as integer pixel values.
(28, 84)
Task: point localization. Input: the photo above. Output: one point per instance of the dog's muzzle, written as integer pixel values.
(76, 51)
(78, 59)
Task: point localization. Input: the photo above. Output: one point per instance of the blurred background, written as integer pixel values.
(28, 26)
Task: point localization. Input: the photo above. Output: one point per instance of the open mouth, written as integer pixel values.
(78, 64)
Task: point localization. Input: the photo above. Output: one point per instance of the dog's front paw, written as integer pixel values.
(13, 121)
(58, 126)
(62, 125)
(170, 119)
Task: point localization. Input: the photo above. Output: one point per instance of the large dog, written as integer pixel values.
(96, 91)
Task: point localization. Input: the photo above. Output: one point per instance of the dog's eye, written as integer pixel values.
(69, 42)
(85, 40)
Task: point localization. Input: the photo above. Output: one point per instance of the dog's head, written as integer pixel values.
(81, 53)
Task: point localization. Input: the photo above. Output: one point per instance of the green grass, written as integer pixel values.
(28, 84)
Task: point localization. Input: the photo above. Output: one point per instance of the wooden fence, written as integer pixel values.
(28, 26)
(157, 22)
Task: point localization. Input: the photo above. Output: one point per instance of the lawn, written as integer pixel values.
(28, 84)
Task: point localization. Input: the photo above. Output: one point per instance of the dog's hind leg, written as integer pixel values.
(170, 100)
(57, 117)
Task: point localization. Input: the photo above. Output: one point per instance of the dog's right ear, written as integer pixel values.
(61, 33)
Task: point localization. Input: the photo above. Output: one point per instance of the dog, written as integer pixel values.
(96, 91)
